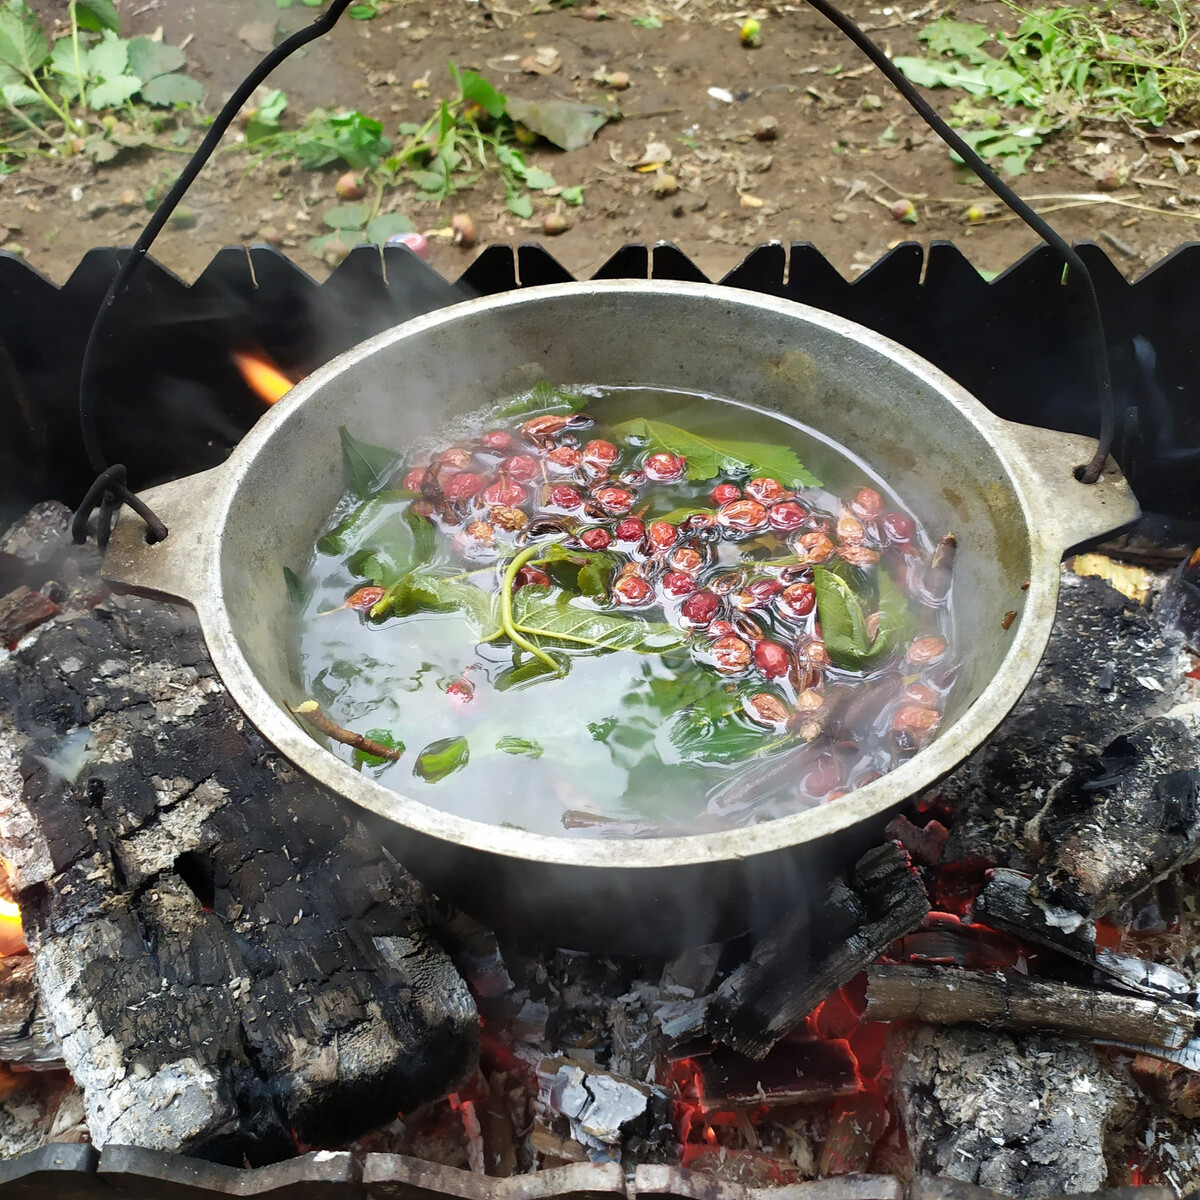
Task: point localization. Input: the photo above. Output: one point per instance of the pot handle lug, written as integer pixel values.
(1074, 512)
(179, 567)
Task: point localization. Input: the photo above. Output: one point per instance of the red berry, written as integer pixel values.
(767, 491)
(897, 526)
(687, 559)
(530, 575)
(771, 659)
(700, 520)
(543, 427)
(414, 479)
(498, 440)
(786, 516)
(455, 457)
(720, 629)
(565, 458)
(505, 493)
(365, 598)
(797, 601)
(664, 468)
(615, 500)
(630, 530)
(562, 495)
(868, 504)
(460, 690)
(730, 654)
(723, 493)
(521, 466)
(676, 583)
(595, 539)
(599, 456)
(662, 535)
(742, 515)
(763, 589)
(633, 592)
(463, 487)
(700, 608)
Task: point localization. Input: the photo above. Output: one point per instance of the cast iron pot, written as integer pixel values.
(1007, 491)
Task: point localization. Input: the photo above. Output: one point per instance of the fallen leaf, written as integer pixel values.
(258, 35)
(564, 123)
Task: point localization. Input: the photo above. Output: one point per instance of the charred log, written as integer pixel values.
(26, 1036)
(948, 996)
(228, 956)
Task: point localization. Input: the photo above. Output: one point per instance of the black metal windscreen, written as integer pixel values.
(173, 402)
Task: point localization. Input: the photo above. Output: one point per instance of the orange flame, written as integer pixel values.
(12, 937)
(265, 379)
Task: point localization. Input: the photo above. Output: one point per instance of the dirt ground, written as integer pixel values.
(847, 147)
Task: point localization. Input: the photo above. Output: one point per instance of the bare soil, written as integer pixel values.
(846, 149)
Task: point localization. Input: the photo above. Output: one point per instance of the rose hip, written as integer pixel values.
(786, 516)
(661, 535)
(730, 654)
(916, 719)
(497, 440)
(523, 467)
(850, 529)
(676, 584)
(700, 608)
(616, 500)
(685, 558)
(505, 493)
(664, 468)
(481, 532)
(796, 601)
(414, 479)
(539, 428)
(564, 458)
(868, 504)
(898, 527)
(630, 530)
(633, 592)
(700, 520)
(599, 456)
(766, 710)
(455, 457)
(742, 515)
(595, 539)
(720, 629)
(365, 598)
(767, 491)
(926, 650)
(530, 575)
(813, 547)
(771, 659)
(510, 519)
(562, 495)
(463, 487)
(857, 555)
(723, 493)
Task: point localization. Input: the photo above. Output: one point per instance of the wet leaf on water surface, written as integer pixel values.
(384, 737)
(544, 399)
(553, 614)
(442, 758)
(525, 747)
(367, 467)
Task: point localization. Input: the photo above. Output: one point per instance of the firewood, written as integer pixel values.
(949, 996)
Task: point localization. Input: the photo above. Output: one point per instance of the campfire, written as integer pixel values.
(226, 963)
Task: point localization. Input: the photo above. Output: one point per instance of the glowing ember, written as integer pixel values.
(264, 378)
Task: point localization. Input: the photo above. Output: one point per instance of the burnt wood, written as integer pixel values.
(26, 1036)
(813, 952)
(950, 996)
(230, 958)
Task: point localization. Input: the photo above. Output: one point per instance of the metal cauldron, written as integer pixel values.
(1007, 491)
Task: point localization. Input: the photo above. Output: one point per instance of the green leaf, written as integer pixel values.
(707, 458)
(97, 15)
(422, 590)
(99, 149)
(367, 466)
(586, 571)
(442, 758)
(272, 107)
(594, 576)
(538, 179)
(572, 195)
(1011, 148)
(165, 91)
(533, 671)
(728, 738)
(18, 94)
(843, 622)
(23, 45)
(299, 592)
(552, 614)
(895, 620)
(362, 12)
(474, 89)
(543, 399)
(384, 737)
(520, 205)
(113, 92)
(566, 124)
(518, 745)
(347, 216)
(650, 22)
(964, 38)
(387, 225)
(928, 72)
(149, 58)
(429, 181)
(109, 57)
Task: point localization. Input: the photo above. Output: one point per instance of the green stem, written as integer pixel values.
(37, 129)
(78, 60)
(506, 614)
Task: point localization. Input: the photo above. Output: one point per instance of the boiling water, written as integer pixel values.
(627, 743)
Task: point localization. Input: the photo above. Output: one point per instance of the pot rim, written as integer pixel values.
(873, 801)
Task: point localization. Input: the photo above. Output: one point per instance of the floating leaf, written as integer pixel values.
(424, 590)
(543, 399)
(550, 613)
(534, 671)
(844, 621)
(707, 458)
(299, 592)
(567, 124)
(384, 737)
(522, 746)
(442, 758)
(367, 466)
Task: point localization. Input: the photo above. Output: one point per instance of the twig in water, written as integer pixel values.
(312, 713)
